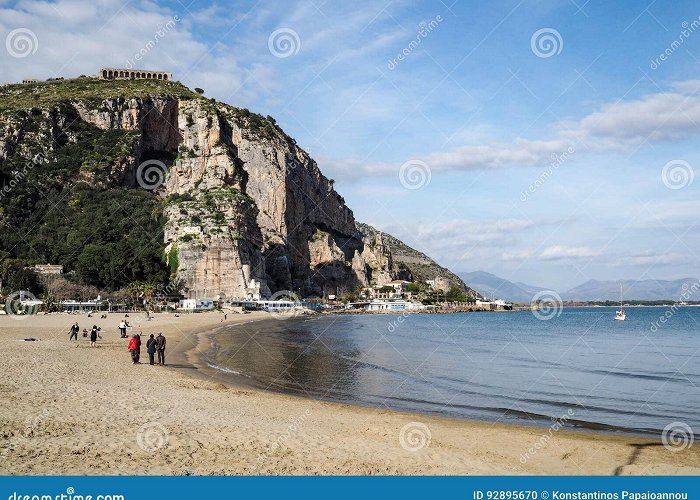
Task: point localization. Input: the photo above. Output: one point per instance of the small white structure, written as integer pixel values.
(394, 305)
(390, 290)
(502, 304)
(399, 286)
(277, 305)
(493, 305)
(28, 303)
(254, 290)
(48, 269)
(197, 304)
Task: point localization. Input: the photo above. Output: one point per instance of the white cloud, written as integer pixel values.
(463, 233)
(674, 216)
(665, 116)
(559, 252)
(78, 36)
(474, 240)
(516, 256)
(650, 258)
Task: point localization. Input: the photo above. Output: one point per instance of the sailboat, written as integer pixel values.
(620, 315)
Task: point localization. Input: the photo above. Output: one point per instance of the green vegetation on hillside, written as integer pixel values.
(60, 203)
(88, 90)
(255, 124)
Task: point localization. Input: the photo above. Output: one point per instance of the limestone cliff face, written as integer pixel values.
(248, 212)
(150, 116)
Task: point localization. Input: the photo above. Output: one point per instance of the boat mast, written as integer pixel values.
(621, 307)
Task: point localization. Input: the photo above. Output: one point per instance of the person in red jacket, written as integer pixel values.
(134, 348)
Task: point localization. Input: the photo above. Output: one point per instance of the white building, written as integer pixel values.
(399, 286)
(77, 305)
(394, 305)
(277, 305)
(494, 305)
(197, 304)
(398, 289)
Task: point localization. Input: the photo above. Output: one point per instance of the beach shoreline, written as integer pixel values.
(78, 410)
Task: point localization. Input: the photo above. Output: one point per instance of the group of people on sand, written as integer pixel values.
(154, 345)
(94, 333)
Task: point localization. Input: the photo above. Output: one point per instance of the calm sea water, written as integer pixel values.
(599, 373)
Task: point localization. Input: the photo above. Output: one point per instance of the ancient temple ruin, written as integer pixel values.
(132, 74)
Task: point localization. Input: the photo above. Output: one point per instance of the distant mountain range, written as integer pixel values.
(490, 285)
(593, 290)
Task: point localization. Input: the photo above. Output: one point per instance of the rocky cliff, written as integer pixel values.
(245, 211)
(415, 263)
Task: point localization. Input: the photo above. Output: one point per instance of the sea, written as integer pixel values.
(575, 366)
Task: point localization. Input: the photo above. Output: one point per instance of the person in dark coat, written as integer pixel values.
(74, 332)
(93, 336)
(151, 350)
(160, 347)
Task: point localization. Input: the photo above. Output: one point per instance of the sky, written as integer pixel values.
(548, 142)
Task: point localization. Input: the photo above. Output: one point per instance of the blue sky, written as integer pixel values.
(547, 170)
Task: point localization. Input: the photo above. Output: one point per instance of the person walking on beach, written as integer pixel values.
(160, 347)
(93, 336)
(134, 348)
(151, 350)
(74, 332)
(122, 329)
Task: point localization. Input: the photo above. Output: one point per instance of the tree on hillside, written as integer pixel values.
(95, 265)
(348, 297)
(415, 287)
(456, 295)
(16, 277)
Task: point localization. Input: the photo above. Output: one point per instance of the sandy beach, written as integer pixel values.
(71, 409)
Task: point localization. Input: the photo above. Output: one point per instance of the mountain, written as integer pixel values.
(144, 180)
(417, 264)
(489, 285)
(594, 290)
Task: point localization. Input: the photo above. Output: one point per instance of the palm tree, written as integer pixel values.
(149, 290)
(135, 289)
